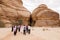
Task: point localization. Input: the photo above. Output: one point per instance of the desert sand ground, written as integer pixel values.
(37, 33)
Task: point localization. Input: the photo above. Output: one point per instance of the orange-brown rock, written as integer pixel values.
(43, 16)
(59, 16)
(59, 22)
(13, 10)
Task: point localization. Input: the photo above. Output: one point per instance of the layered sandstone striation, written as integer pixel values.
(13, 10)
(43, 16)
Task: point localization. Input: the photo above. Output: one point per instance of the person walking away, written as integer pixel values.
(12, 28)
(15, 30)
(19, 27)
(29, 30)
(24, 30)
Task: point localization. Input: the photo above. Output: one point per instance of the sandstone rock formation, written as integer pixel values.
(59, 16)
(43, 16)
(59, 20)
(13, 10)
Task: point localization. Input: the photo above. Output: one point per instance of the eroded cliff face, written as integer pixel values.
(59, 20)
(13, 10)
(43, 16)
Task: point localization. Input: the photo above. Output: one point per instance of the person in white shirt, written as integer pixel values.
(19, 27)
(28, 29)
(15, 30)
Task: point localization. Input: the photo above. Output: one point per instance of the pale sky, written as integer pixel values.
(32, 4)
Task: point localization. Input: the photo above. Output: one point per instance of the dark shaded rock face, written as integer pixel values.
(43, 16)
(11, 11)
(59, 22)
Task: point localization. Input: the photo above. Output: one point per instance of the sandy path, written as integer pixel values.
(4, 32)
(20, 36)
(36, 34)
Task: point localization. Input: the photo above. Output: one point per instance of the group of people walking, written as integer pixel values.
(21, 28)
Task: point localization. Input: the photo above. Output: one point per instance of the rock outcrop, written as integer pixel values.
(59, 20)
(43, 16)
(13, 10)
(59, 16)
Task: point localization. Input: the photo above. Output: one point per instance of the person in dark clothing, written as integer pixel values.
(28, 29)
(15, 30)
(19, 27)
(24, 30)
(12, 28)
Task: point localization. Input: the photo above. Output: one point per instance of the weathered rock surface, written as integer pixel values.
(43, 16)
(13, 10)
(59, 16)
(59, 20)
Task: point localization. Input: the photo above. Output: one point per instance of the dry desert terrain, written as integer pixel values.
(37, 33)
